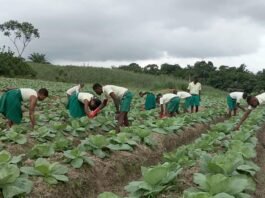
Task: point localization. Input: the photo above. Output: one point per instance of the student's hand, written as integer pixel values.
(162, 116)
(94, 113)
(105, 102)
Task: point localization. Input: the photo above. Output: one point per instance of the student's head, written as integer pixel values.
(141, 94)
(81, 85)
(252, 101)
(158, 96)
(195, 79)
(94, 103)
(245, 95)
(43, 93)
(174, 91)
(98, 88)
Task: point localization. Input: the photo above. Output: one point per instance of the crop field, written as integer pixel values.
(191, 155)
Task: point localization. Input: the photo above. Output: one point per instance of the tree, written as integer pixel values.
(131, 67)
(12, 66)
(151, 69)
(38, 58)
(21, 33)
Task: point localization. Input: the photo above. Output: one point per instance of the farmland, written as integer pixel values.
(191, 155)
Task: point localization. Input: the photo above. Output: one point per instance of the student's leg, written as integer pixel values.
(192, 108)
(120, 121)
(9, 123)
(197, 109)
(126, 121)
(235, 110)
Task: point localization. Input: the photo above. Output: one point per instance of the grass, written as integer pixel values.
(74, 74)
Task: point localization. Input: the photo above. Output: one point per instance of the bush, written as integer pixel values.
(12, 66)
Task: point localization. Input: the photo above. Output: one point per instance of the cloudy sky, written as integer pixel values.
(114, 32)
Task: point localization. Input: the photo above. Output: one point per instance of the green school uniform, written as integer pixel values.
(231, 103)
(10, 105)
(187, 102)
(195, 100)
(173, 105)
(150, 101)
(126, 102)
(76, 108)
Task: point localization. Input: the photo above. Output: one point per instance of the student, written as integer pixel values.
(195, 90)
(150, 100)
(74, 89)
(169, 104)
(253, 102)
(122, 99)
(11, 101)
(184, 95)
(233, 101)
(83, 104)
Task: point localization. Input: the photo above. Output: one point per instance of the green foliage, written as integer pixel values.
(214, 185)
(107, 195)
(155, 180)
(97, 144)
(51, 173)
(42, 150)
(14, 137)
(77, 157)
(12, 66)
(6, 158)
(38, 58)
(12, 183)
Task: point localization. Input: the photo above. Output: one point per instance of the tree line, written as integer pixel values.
(228, 78)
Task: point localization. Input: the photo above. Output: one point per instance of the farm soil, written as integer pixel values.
(260, 177)
(114, 173)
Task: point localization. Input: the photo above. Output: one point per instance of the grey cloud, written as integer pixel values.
(99, 30)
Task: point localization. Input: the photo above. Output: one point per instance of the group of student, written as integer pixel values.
(86, 104)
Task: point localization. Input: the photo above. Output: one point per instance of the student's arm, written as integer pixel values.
(103, 104)
(32, 105)
(162, 110)
(86, 107)
(240, 107)
(245, 116)
(116, 102)
(144, 94)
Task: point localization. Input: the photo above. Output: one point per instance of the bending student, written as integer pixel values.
(11, 101)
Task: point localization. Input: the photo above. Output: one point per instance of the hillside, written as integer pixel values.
(74, 74)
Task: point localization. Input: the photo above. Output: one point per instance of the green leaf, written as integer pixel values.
(61, 178)
(30, 171)
(107, 195)
(77, 163)
(50, 180)
(20, 186)
(16, 159)
(155, 175)
(88, 160)
(99, 153)
(58, 169)
(8, 173)
(5, 156)
(223, 195)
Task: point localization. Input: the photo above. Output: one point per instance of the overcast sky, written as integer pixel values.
(114, 32)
